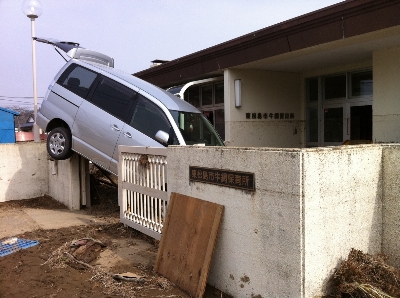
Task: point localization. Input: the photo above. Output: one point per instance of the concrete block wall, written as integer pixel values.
(23, 171)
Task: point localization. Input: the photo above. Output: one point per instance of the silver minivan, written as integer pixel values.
(91, 108)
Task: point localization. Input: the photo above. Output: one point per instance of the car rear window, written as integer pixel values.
(77, 79)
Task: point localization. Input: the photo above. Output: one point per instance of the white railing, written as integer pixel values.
(142, 188)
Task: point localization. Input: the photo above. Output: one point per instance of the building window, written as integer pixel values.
(335, 87)
(219, 93)
(312, 89)
(333, 125)
(361, 84)
(207, 95)
(209, 98)
(339, 108)
(192, 95)
(312, 124)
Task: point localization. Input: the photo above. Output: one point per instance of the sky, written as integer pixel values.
(133, 32)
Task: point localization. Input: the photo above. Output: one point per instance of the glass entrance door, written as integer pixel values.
(361, 123)
(349, 123)
(339, 108)
(333, 122)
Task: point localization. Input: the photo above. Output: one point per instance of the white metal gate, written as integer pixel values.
(142, 188)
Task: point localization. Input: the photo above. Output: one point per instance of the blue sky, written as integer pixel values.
(133, 32)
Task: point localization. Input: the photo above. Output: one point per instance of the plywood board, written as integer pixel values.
(187, 242)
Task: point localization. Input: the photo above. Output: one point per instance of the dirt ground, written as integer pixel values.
(61, 266)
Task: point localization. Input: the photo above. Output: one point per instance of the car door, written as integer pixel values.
(145, 120)
(100, 119)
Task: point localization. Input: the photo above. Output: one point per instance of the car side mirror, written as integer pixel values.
(162, 137)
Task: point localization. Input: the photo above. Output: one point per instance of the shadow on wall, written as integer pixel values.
(390, 204)
(23, 171)
(357, 210)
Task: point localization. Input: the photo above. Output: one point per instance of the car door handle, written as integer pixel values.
(114, 127)
(127, 135)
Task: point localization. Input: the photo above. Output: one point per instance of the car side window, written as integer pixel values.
(77, 79)
(148, 118)
(114, 98)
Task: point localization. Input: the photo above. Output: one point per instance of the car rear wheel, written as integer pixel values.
(59, 143)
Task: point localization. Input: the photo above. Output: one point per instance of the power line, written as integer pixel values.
(12, 100)
(18, 102)
(4, 96)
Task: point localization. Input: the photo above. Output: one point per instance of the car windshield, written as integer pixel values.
(196, 129)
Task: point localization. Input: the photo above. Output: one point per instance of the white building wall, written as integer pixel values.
(264, 92)
(386, 103)
(339, 68)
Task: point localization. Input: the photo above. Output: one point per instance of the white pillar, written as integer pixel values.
(36, 135)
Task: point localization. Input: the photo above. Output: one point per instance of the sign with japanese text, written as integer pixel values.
(228, 178)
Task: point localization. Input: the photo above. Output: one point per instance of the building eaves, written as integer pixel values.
(343, 20)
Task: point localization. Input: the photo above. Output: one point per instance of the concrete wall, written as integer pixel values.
(342, 191)
(23, 171)
(258, 251)
(263, 92)
(386, 104)
(310, 207)
(391, 203)
(64, 183)
(26, 172)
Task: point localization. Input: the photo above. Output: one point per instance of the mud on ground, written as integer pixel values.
(59, 266)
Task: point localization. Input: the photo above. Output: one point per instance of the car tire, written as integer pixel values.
(59, 143)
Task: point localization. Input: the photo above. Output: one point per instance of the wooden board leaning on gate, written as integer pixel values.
(187, 242)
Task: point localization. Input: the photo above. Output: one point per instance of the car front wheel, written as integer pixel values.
(59, 143)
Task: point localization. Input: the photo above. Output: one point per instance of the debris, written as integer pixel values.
(77, 261)
(84, 241)
(365, 275)
(129, 276)
(86, 249)
(144, 161)
(188, 273)
(13, 244)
